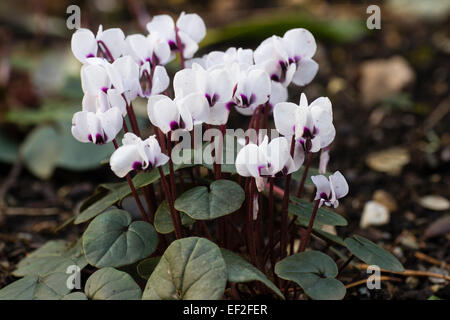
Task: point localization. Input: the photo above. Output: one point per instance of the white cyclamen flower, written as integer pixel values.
(124, 76)
(152, 81)
(312, 124)
(268, 159)
(135, 154)
(97, 127)
(153, 49)
(252, 90)
(214, 85)
(184, 113)
(289, 58)
(108, 44)
(331, 189)
(190, 29)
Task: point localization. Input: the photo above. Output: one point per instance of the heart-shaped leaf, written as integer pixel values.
(52, 286)
(303, 210)
(315, 272)
(163, 220)
(54, 256)
(147, 266)
(224, 197)
(239, 270)
(190, 269)
(372, 254)
(111, 284)
(329, 237)
(112, 240)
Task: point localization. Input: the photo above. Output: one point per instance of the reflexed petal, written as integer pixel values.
(192, 25)
(306, 71)
(83, 45)
(316, 144)
(218, 114)
(197, 108)
(80, 129)
(247, 161)
(301, 42)
(190, 46)
(184, 83)
(116, 100)
(89, 102)
(153, 152)
(94, 78)
(125, 159)
(112, 122)
(259, 83)
(322, 185)
(160, 80)
(139, 47)
(220, 83)
(284, 115)
(163, 112)
(339, 184)
(164, 25)
(160, 48)
(114, 39)
(278, 152)
(327, 139)
(278, 93)
(303, 101)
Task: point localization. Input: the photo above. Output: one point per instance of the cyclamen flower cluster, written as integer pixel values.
(117, 69)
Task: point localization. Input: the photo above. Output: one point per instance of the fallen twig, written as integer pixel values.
(424, 257)
(364, 281)
(417, 273)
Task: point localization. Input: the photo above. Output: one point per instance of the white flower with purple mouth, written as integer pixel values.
(152, 81)
(252, 90)
(153, 49)
(124, 76)
(331, 189)
(97, 123)
(135, 154)
(288, 58)
(188, 31)
(214, 84)
(94, 78)
(181, 113)
(108, 44)
(268, 159)
(312, 124)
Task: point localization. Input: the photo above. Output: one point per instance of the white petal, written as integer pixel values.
(125, 159)
(301, 41)
(89, 102)
(163, 113)
(192, 25)
(339, 184)
(218, 114)
(306, 71)
(80, 130)
(190, 46)
(160, 80)
(247, 161)
(278, 93)
(153, 151)
(259, 86)
(112, 122)
(219, 83)
(195, 108)
(116, 100)
(114, 39)
(184, 83)
(324, 159)
(83, 45)
(164, 25)
(139, 47)
(160, 48)
(278, 154)
(322, 185)
(284, 118)
(94, 78)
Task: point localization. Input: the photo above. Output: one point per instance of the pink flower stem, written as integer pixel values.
(176, 222)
